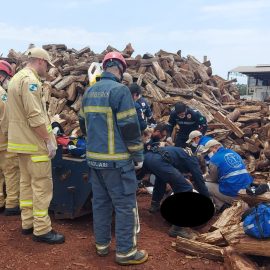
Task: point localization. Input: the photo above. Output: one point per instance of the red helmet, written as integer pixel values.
(6, 67)
(114, 56)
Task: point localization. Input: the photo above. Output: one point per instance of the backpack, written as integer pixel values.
(256, 221)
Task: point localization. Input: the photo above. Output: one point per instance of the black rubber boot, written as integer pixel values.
(154, 208)
(51, 237)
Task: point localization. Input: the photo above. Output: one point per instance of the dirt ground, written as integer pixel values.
(19, 252)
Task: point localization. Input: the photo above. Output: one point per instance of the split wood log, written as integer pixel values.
(213, 238)
(223, 119)
(236, 261)
(196, 248)
(253, 200)
(245, 244)
(66, 81)
(231, 216)
(233, 116)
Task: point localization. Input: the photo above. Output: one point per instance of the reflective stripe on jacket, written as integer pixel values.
(232, 173)
(107, 108)
(26, 102)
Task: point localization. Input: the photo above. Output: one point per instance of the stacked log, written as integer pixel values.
(226, 241)
(165, 78)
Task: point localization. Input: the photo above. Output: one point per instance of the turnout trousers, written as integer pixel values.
(115, 189)
(10, 175)
(36, 192)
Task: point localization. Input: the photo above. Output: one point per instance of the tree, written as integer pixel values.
(242, 89)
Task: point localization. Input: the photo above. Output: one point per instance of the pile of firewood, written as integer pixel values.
(226, 241)
(165, 78)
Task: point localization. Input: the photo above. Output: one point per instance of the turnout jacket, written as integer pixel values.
(27, 109)
(111, 123)
(3, 119)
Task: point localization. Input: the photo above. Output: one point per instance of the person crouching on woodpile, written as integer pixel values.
(188, 120)
(227, 174)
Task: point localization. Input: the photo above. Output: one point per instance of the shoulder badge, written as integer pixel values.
(189, 116)
(33, 87)
(4, 97)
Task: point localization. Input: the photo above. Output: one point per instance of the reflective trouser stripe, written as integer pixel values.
(26, 203)
(138, 226)
(40, 213)
(102, 247)
(132, 252)
(49, 129)
(22, 147)
(41, 158)
(234, 174)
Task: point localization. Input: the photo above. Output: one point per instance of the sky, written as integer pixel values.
(230, 32)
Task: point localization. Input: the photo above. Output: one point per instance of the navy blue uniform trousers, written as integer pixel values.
(115, 189)
(165, 173)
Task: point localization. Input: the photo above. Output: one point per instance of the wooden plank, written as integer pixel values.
(159, 71)
(223, 119)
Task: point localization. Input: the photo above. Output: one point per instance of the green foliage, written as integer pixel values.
(242, 89)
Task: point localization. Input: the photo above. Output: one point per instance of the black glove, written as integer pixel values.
(151, 120)
(255, 190)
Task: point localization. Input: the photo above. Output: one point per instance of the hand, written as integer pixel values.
(138, 165)
(51, 148)
(169, 140)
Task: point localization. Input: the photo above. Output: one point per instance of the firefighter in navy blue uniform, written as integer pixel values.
(187, 120)
(227, 173)
(168, 165)
(113, 146)
(148, 115)
(135, 91)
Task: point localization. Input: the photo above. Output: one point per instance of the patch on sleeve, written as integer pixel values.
(33, 87)
(4, 97)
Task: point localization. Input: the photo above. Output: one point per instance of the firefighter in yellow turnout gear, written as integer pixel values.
(30, 135)
(9, 165)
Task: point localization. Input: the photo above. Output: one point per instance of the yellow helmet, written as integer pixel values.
(94, 73)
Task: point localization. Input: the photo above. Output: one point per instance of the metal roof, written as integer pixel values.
(252, 69)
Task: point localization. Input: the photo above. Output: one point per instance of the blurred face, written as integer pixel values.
(42, 67)
(4, 81)
(181, 114)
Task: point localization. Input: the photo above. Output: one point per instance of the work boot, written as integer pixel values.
(51, 237)
(175, 231)
(139, 257)
(15, 211)
(27, 231)
(103, 252)
(154, 208)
